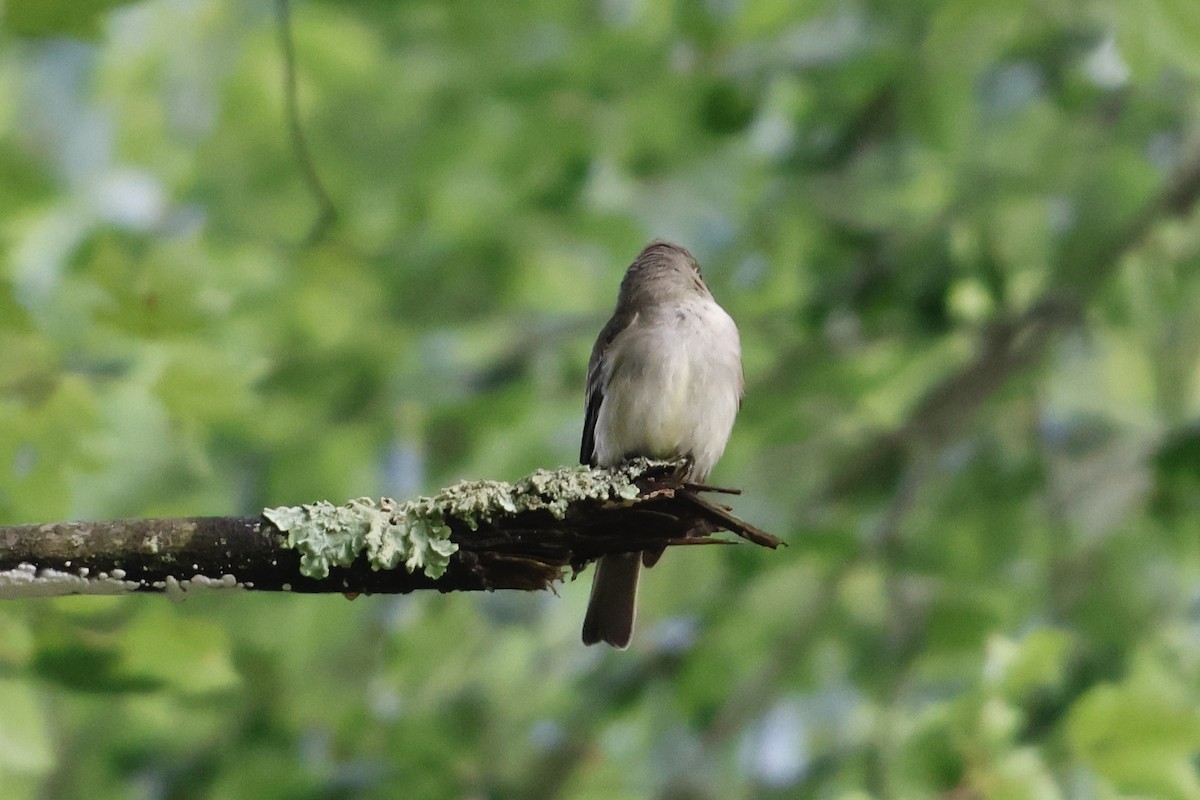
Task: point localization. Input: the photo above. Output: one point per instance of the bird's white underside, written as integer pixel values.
(672, 386)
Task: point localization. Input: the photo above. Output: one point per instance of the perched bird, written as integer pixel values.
(664, 381)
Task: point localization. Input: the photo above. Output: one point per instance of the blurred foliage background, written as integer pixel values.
(958, 239)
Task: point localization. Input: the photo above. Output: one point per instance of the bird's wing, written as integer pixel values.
(597, 378)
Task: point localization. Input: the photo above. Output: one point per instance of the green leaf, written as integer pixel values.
(39, 18)
(92, 668)
(1141, 734)
(25, 744)
(183, 652)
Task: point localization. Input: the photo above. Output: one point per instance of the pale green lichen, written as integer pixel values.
(329, 536)
(475, 502)
(416, 532)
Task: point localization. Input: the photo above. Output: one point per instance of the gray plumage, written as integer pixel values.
(664, 381)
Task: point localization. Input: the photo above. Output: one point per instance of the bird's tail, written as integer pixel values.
(613, 602)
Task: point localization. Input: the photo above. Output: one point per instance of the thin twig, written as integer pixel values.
(704, 487)
(725, 520)
(326, 211)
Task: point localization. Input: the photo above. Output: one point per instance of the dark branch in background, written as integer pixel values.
(326, 212)
(528, 549)
(1013, 343)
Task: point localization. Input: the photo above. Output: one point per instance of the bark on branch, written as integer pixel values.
(526, 536)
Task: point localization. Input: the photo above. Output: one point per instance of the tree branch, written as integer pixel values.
(524, 536)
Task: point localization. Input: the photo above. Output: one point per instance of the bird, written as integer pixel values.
(664, 381)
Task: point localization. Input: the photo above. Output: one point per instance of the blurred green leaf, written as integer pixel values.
(26, 747)
(88, 668)
(190, 655)
(37, 18)
(1179, 456)
(1141, 733)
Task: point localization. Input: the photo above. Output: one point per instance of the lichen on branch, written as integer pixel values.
(416, 533)
(474, 535)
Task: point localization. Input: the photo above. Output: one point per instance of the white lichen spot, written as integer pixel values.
(180, 589)
(201, 582)
(176, 589)
(26, 580)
